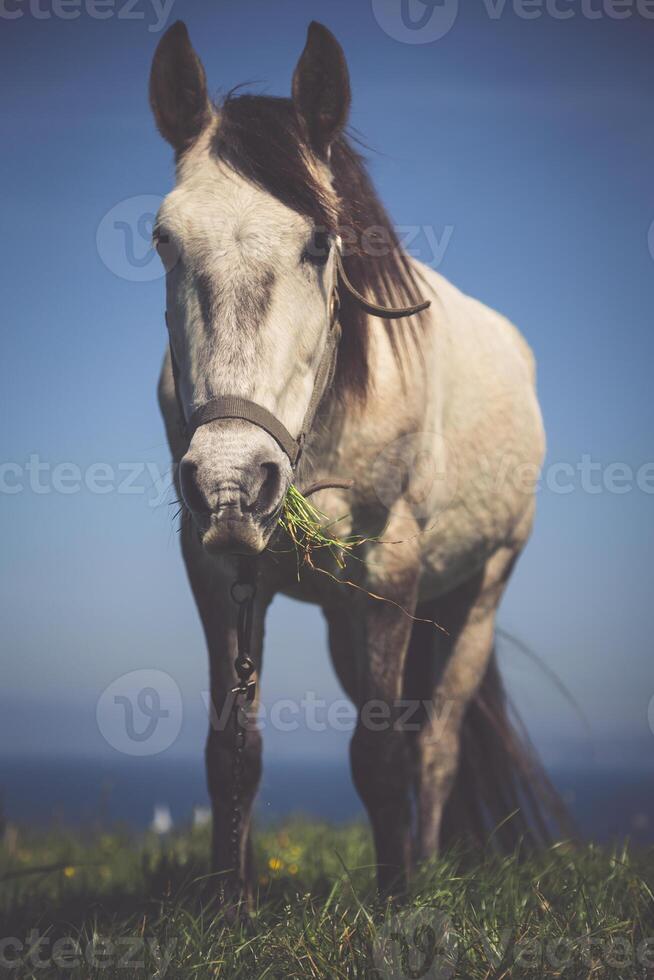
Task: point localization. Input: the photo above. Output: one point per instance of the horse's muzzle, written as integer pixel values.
(241, 536)
(233, 480)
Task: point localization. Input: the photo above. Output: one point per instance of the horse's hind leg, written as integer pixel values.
(444, 673)
(210, 588)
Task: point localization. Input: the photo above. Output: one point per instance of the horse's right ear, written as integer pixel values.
(178, 89)
(321, 88)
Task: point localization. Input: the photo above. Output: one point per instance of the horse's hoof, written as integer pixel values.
(238, 914)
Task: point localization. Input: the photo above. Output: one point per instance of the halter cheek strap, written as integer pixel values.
(235, 407)
(385, 312)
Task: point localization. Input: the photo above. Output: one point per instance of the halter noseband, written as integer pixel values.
(235, 407)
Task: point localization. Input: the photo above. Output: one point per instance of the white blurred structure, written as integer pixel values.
(162, 822)
(201, 816)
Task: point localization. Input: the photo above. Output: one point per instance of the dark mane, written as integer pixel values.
(260, 138)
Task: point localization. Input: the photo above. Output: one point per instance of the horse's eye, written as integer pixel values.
(317, 248)
(160, 238)
(166, 247)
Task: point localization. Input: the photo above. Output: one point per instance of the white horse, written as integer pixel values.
(434, 418)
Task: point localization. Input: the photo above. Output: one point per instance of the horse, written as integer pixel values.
(282, 368)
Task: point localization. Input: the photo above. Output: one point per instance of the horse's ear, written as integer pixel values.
(321, 88)
(178, 89)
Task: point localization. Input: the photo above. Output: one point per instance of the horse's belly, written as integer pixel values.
(491, 500)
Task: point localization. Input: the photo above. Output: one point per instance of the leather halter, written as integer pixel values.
(235, 407)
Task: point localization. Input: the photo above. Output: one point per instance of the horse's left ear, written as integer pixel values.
(321, 88)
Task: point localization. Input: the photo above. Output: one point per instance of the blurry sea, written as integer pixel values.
(605, 804)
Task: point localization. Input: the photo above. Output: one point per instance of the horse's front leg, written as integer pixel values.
(211, 584)
(379, 753)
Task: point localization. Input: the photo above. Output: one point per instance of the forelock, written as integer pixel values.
(260, 138)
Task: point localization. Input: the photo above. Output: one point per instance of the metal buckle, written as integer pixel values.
(246, 690)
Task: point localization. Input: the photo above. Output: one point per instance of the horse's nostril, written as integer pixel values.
(270, 489)
(188, 481)
(255, 487)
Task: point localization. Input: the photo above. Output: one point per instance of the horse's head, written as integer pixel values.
(249, 270)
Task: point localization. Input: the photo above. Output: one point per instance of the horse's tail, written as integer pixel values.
(501, 792)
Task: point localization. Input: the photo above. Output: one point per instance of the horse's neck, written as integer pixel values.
(351, 436)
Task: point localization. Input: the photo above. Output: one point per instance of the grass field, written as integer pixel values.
(112, 905)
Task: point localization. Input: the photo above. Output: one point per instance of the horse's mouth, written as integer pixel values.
(242, 535)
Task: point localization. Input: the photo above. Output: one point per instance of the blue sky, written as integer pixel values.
(527, 145)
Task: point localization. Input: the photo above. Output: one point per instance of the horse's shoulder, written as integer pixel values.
(471, 322)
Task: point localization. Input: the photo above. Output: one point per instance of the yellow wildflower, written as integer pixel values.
(275, 864)
(69, 871)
